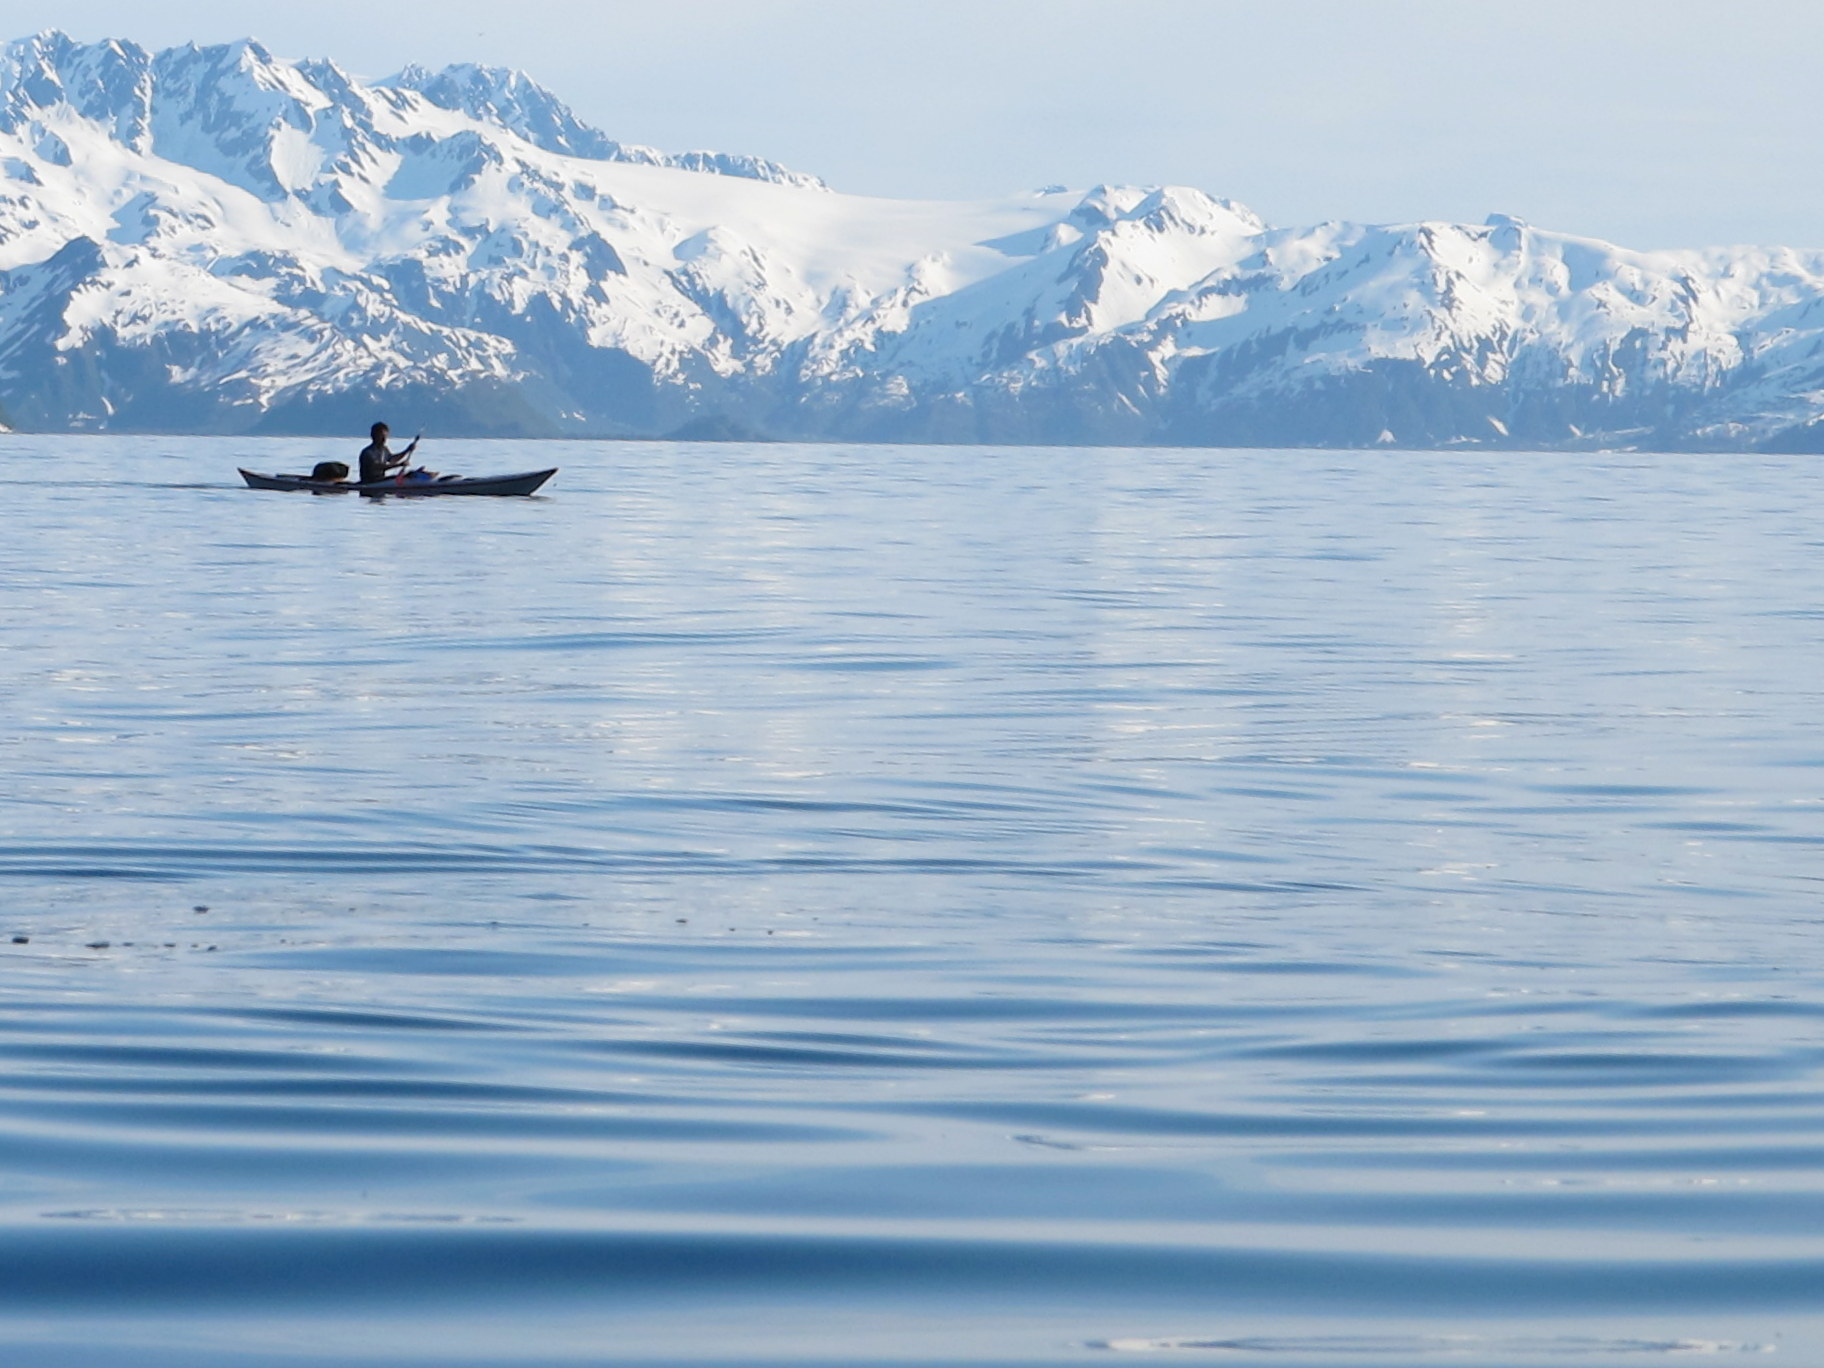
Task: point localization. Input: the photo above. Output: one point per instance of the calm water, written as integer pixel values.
(831, 905)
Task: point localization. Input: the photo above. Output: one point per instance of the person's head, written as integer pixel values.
(379, 432)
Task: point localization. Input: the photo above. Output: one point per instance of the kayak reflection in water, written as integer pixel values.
(377, 461)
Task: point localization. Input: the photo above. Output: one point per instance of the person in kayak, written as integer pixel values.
(376, 460)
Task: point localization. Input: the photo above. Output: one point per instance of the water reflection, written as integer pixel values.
(795, 904)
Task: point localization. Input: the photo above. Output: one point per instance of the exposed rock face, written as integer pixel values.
(214, 239)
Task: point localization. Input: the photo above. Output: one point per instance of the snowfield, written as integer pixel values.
(213, 239)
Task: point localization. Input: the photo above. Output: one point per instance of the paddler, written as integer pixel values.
(376, 460)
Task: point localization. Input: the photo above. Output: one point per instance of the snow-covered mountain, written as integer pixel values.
(212, 239)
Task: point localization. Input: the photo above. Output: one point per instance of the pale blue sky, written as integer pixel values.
(1652, 124)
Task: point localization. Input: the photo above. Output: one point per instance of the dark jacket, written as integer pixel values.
(376, 462)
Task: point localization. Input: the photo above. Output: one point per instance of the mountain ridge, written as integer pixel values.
(215, 239)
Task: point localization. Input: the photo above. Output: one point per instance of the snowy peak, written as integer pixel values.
(237, 113)
(511, 100)
(109, 83)
(213, 238)
(231, 109)
(1163, 210)
(507, 99)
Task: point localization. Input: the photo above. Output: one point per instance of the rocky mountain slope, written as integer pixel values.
(212, 239)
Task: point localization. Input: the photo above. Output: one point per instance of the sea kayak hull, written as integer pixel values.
(524, 483)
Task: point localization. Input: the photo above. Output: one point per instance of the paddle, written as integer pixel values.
(405, 459)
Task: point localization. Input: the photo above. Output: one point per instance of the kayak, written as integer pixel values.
(524, 483)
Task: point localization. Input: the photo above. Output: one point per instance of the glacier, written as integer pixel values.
(214, 239)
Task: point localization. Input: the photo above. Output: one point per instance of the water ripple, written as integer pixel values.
(807, 905)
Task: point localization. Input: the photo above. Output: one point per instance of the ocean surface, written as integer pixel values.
(830, 905)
